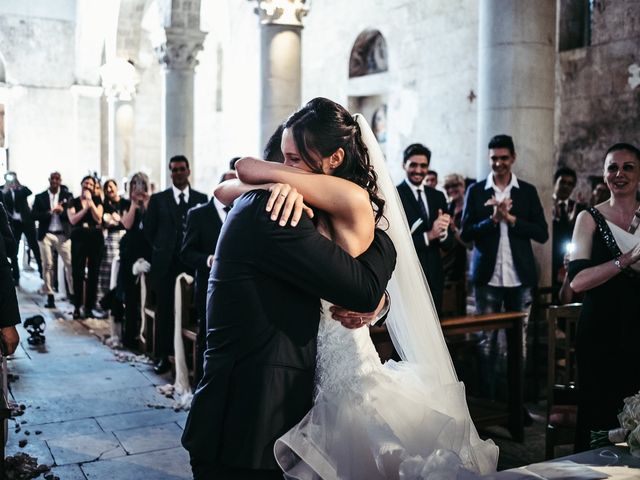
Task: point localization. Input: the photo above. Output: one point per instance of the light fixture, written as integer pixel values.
(119, 79)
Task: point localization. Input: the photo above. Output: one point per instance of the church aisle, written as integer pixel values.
(86, 413)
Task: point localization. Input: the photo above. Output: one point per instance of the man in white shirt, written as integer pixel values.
(502, 214)
(164, 226)
(426, 211)
(54, 229)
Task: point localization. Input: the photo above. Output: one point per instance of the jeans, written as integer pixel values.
(492, 349)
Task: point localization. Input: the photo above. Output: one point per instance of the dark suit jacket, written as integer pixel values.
(20, 203)
(42, 212)
(8, 245)
(200, 239)
(477, 226)
(9, 314)
(429, 255)
(161, 224)
(263, 311)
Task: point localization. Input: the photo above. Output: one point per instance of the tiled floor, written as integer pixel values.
(87, 414)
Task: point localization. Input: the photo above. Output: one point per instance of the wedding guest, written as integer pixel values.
(164, 225)
(454, 260)
(114, 208)
(133, 246)
(14, 196)
(9, 313)
(599, 194)
(604, 265)
(54, 230)
(564, 214)
(85, 214)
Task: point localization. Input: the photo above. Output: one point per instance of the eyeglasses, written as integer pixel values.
(178, 169)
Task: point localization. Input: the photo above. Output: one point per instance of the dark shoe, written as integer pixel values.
(77, 314)
(95, 313)
(163, 366)
(50, 302)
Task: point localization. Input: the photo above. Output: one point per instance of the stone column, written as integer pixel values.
(280, 53)
(119, 80)
(516, 93)
(178, 56)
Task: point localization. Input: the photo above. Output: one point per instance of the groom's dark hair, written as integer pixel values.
(272, 151)
(319, 129)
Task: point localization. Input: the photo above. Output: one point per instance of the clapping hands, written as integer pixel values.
(501, 210)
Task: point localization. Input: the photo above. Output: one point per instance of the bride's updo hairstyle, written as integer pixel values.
(319, 129)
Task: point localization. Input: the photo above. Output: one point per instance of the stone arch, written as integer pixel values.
(369, 54)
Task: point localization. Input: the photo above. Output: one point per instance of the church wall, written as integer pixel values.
(50, 123)
(598, 96)
(432, 56)
(227, 95)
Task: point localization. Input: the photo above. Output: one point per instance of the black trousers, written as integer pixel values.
(29, 230)
(228, 473)
(87, 245)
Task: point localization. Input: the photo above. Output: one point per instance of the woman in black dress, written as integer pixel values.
(85, 214)
(133, 246)
(605, 266)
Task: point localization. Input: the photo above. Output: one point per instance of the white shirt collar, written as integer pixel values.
(177, 192)
(415, 188)
(512, 183)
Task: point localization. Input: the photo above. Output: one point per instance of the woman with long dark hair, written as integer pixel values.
(85, 214)
(368, 420)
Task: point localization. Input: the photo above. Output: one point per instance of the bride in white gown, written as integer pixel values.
(408, 419)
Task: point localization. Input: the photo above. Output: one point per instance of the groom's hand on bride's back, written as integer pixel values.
(352, 320)
(286, 205)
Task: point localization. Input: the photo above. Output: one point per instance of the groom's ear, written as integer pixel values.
(336, 158)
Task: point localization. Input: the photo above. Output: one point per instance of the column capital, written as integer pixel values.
(282, 12)
(180, 48)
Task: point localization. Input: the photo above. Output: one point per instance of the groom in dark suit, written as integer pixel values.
(426, 211)
(263, 311)
(164, 226)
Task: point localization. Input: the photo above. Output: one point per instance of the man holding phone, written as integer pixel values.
(54, 230)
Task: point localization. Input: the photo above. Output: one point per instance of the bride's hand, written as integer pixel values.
(285, 202)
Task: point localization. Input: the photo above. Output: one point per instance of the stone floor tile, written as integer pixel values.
(35, 447)
(66, 472)
(148, 439)
(85, 448)
(69, 428)
(142, 418)
(172, 464)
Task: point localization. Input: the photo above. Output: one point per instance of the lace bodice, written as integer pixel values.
(345, 357)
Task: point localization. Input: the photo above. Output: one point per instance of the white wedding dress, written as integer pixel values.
(399, 420)
(378, 421)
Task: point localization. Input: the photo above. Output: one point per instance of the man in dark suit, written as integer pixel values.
(502, 214)
(164, 226)
(263, 311)
(54, 231)
(9, 313)
(14, 196)
(426, 211)
(565, 211)
(199, 245)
